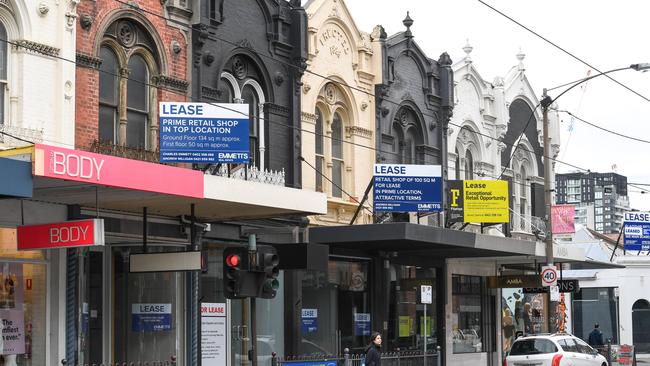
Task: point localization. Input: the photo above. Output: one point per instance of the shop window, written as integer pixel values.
(467, 314)
(595, 305)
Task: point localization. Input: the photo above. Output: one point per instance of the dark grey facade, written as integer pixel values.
(414, 102)
(254, 51)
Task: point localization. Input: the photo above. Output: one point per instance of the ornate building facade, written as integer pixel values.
(338, 110)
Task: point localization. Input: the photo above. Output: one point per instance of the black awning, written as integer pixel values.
(428, 240)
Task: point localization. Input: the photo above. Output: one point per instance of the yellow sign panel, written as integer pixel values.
(486, 201)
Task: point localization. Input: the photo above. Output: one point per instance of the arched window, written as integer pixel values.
(337, 155)
(320, 154)
(523, 198)
(408, 152)
(127, 103)
(469, 165)
(3, 73)
(250, 96)
(457, 164)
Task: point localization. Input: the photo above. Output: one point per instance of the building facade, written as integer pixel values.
(602, 196)
(338, 111)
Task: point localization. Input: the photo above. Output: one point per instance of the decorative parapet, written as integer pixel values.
(88, 61)
(12, 136)
(35, 47)
(171, 83)
(250, 173)
(358, 131)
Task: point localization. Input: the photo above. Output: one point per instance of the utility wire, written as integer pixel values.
(603, 128)
(562, 49)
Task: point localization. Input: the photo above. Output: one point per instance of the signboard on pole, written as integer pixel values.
(407, 188)
(480, 201)
(204, 133)
(426, 294)
(563, 217)
(636, 231)
(549, 276)
(214, 351)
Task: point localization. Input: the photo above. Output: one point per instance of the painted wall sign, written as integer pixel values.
(479, 201)
(151, 317)
(563, 217)
(407, 188)
(362, 324)
(83, 166)
(204, 133)
(636, 231)
(214, 350)
(309, 321)
(80, 233)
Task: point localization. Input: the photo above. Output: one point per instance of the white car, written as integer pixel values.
(553, 350)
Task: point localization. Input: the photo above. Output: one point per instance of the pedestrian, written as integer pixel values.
(373, 356)
(596, 337)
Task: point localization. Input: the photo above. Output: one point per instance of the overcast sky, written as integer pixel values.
(605, 34)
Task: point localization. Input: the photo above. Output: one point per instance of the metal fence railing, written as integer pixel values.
(396, 358)
(170, 362)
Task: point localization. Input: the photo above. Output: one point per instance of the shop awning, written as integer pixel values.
(111, 183)
(427, 240)
(570, 256)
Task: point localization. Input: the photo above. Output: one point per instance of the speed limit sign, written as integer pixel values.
(549, 276)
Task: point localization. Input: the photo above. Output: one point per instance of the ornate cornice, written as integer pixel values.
(358, 131)
(169, 82)
(35, 47)
(308, 117)
(210, 93)
(88, 61)
(278, 109)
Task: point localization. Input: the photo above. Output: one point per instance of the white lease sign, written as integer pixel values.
(214, 351)
(549, 276)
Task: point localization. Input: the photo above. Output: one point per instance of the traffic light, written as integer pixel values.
(268, 261)
(238, 281)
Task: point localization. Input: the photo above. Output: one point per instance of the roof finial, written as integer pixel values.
(520, 56)
(468, 49)
(408, 22)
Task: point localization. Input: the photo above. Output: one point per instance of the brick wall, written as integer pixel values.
(87, 78)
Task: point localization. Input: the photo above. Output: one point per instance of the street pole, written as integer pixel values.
(252, 249)
(546, 102)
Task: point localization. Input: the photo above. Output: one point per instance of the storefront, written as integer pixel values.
(363, 258)
(89, 305)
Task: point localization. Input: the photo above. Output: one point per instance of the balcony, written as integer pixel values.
(528, 225)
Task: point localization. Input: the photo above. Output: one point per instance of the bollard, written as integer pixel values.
(274, 359)
(439, 356)
(346, 357)
(609, 351)
(398, 356)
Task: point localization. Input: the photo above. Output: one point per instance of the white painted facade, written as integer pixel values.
(40, 72)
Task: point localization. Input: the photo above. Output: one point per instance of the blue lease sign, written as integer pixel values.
(151, 317)
(636, 231)
(407, 188)
(204, 133)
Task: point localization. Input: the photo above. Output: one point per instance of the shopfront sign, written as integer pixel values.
(571, 286)
(636, 231)
(13, 332)
(204, 133)
(479, 201)
(407, 188)
(86, 167)
(513, 281)
(309, 321)
(165, 262)
(214, 350)
(562, 219)
(151, 317)
(80, 233)
(362, 324)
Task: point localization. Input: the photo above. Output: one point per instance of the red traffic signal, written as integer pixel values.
(233, 260)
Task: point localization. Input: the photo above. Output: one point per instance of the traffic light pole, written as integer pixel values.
(252, 249)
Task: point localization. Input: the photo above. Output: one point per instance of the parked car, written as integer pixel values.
(553, 350)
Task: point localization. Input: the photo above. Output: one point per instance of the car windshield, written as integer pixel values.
(532, 347)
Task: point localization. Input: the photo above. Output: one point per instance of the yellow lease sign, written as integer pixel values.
(486, 201)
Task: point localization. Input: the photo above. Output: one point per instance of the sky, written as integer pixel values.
(605, 34)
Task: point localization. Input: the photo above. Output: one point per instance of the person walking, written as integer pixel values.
(596, 337)
(373, 356)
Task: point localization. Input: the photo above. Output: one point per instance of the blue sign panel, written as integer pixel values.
(636, 231)
(204, 133)
(407, 188)
(309, 321)
(151, 317)
(309, 363)
(362, 324)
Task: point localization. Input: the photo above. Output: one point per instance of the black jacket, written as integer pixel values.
(373, 358)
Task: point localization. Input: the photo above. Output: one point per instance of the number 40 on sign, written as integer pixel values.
(549, 276)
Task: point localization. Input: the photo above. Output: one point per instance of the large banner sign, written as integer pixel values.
(636, 231)
(480, 201)
(407, 188)
(204, 133)
(562, 219)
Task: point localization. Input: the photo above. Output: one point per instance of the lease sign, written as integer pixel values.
(61, 235)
